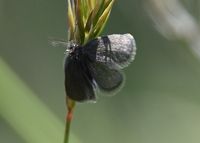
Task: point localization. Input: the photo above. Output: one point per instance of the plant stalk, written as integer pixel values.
(70, 106)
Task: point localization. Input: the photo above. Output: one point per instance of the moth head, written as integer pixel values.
(71, 47)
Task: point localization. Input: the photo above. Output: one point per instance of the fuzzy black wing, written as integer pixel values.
(117, 50)
(78, 84)
(107, 79)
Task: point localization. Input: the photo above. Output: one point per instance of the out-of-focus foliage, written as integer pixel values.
(160, 102)
(174, 21)
(27, 115)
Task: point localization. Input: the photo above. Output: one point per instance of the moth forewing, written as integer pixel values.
(77, 83)
(121, 49)
(117, 49)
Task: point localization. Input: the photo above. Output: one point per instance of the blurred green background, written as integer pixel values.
(160, 102)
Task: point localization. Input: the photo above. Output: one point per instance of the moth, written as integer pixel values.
(97, 65)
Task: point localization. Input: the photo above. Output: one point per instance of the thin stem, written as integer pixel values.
(69, 117)
(67, 127)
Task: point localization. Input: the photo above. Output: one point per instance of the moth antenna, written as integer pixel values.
(58, 43)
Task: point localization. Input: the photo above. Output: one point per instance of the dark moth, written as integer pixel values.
(97, 64)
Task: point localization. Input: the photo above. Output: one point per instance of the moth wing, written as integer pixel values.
(77, 84)
(107, 79)
(117, 49)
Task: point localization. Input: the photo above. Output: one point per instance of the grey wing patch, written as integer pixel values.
(106, 78)
(77, 84)
(115, 49)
